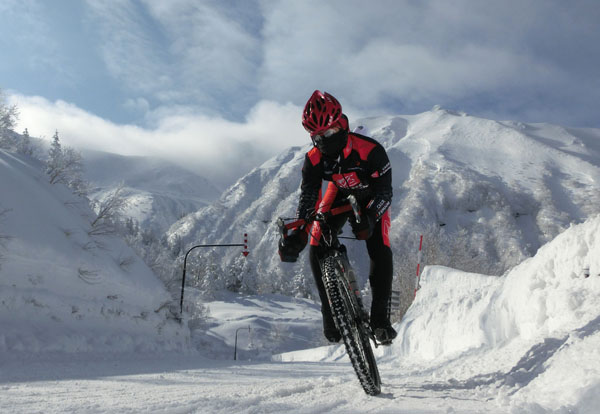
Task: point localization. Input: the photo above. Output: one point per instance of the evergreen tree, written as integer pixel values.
(8, 120)
(65, 165)
(74, 171)
(24, 144)
(54, 164)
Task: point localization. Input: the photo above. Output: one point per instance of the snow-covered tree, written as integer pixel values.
(24, 145)
(74, 171)
(209, 276)
(242, 276)
(109, 212)
(54, 164)
(65, 165)
(302, 285)
(9, 115)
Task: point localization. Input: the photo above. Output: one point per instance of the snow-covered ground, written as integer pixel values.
(264, 325)
(183, 385)
(525, 343)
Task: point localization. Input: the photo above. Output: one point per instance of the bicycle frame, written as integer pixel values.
(338, 251)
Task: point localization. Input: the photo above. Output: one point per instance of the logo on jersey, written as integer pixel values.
(385, 169)
(348, 180)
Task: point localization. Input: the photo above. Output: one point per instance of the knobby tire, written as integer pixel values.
(356, 338)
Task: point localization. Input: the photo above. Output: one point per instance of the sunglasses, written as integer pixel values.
(328, 133)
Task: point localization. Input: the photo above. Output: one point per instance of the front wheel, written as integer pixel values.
(351, 327)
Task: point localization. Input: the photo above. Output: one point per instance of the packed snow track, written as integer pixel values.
(197, 385)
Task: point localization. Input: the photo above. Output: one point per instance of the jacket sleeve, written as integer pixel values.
(310, 188)
(381, 182)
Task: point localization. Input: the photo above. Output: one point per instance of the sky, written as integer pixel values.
(218, 86)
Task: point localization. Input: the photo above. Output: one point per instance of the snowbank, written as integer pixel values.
(533, 335)
(535, 331)
(446, 318)
(62, 290)
(546, 295)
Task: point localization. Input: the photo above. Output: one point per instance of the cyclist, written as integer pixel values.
(352, 164)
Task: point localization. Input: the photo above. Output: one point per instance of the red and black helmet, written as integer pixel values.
(322, 111)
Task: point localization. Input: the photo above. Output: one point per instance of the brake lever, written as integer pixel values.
(281, 226)
(355, 207)
(320, 217)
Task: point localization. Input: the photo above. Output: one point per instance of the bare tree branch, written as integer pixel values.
(109, 212)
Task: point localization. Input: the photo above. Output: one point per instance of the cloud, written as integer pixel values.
(129, 50)
(137, 105)
(406, 56)
(510, 59)
(28, 43)
(213, 147)
(180, 53)
(219, 86)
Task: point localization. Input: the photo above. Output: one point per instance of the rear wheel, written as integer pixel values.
(353, 330)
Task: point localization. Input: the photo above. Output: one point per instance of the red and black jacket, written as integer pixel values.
(362, 169)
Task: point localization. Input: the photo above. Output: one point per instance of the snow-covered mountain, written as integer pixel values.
(62, 288)
(486, 194)
(158, 192)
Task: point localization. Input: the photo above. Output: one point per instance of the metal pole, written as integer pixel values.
(185, 265)
(235, 346)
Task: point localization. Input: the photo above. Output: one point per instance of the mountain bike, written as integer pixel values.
(349, 315)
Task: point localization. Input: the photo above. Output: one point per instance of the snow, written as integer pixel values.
(173, 385)
(263, 325)
(517, 330)
(531, 337)
(63, 290)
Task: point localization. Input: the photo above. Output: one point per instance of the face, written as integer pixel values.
(331, 142)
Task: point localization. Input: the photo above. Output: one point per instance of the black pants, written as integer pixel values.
(380, 273)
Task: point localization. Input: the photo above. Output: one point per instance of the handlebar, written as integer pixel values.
(320, 216)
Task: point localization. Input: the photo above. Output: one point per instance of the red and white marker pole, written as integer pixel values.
(419, 258)
(245, 252)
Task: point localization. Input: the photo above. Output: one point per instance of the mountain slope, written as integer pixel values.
(486, 194)
(64, 290)
(158, 192)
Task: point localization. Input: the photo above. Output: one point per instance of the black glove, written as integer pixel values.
(364, 229)
(291, 245)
